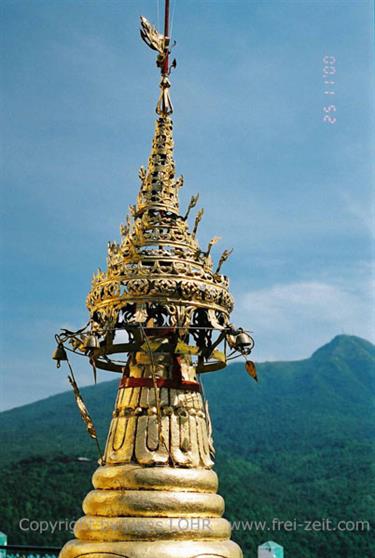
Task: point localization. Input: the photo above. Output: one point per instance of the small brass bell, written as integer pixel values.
(59, 354)
(231, 340)
(92, 342)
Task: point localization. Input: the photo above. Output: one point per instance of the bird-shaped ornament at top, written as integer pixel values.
(161, 44)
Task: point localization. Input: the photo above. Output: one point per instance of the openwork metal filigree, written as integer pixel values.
(157, 276)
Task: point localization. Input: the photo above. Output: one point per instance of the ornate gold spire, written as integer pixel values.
(159, 187)
(155, 492)
(158, 271)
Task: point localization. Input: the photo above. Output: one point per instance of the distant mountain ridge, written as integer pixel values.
(298, 444)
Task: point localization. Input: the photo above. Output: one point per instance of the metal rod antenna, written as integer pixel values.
(166, 35)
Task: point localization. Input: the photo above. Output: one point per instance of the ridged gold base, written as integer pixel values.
(153, 549)
(155, 512)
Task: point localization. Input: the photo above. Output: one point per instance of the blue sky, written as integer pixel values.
(289, 192)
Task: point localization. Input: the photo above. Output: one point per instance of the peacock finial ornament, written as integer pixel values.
(159, 316)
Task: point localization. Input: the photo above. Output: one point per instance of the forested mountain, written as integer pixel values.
(296, 446)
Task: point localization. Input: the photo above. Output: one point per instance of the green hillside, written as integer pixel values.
(296, 446)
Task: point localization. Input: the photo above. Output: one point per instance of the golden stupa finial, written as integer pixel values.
(160, 317)
(160, 43)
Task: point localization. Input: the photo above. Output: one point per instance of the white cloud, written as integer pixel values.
(292, 320)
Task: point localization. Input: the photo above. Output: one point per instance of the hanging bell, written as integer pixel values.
(244, 341)
(239, 340)
(59, 354)
(92, 342)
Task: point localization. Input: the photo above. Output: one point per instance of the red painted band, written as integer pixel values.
(186, 385)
